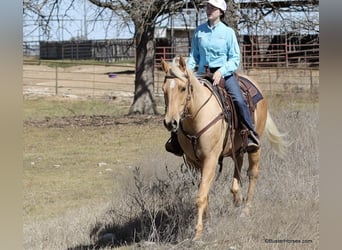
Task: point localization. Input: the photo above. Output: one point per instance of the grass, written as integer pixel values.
(72, 166)
(57, 161)
(38, 108)
(145, 201)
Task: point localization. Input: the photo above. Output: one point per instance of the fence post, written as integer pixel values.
(311, 82)
(269, 80)
(286, 55)
(93, 78)
(56, 87)
(252, 55)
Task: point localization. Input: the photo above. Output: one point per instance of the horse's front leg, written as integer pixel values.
(208, 174)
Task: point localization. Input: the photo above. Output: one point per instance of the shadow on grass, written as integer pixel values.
(123, 72)
(165, 227)
(160, 212)
(112, 235)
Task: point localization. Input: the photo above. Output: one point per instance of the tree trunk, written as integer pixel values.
(231, 15)
(144, 100)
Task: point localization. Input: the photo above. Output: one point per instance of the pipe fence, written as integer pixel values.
(279, 67)
(79, 79)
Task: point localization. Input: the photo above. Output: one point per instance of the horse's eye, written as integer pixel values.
(183, 89)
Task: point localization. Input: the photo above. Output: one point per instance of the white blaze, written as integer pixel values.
(172, 84)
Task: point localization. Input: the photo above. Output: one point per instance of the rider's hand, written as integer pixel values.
(217, 77)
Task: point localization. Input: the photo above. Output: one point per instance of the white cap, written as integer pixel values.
(221, 4)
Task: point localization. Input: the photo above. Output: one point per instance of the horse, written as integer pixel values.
(190, 105)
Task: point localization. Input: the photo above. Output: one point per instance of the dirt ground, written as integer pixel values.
(117, 81)
(82, 80)
(93, 120)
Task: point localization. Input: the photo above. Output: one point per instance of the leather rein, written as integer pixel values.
(185, 114)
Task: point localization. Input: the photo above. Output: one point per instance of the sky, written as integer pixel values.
(81, 21)
(80, 24)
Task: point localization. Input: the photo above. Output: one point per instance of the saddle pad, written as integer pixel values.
(248, 86)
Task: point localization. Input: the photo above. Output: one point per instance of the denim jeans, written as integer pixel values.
(233, 88)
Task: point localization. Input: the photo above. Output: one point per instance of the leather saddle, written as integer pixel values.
(249, 91)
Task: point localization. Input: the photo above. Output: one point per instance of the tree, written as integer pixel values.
(146, 15)
(296, 16)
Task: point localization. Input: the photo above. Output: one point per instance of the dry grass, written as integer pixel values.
(147, 202)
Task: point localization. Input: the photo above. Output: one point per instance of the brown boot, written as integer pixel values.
(172, 145)
(253, 142)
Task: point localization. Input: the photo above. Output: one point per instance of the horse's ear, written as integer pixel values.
(165, 65)
(182, 64)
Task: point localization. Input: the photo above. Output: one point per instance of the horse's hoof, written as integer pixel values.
(197, 237)
(237, 202)
(245, 212)
(197, 242)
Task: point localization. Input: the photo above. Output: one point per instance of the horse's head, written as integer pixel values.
(176, 92)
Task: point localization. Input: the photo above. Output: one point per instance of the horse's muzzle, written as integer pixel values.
(171, 126)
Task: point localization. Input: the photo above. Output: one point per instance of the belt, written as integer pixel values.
(212, 70)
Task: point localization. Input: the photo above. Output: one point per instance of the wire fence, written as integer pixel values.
(74, 79)
(280, 55)
(86, 79)
(97, 68)
(254, 55)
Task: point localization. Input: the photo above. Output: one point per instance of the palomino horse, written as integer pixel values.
(191, 107)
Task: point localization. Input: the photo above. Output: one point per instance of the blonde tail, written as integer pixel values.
(277, 139)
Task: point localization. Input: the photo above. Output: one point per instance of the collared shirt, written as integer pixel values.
(215, 47)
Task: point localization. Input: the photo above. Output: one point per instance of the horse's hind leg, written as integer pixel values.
(253, 173)
(237, 198)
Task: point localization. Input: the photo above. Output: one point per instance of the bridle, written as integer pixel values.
(195, 137)
(185, 114)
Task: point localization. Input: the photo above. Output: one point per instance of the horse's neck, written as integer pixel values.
(199, 91)
(200, 95)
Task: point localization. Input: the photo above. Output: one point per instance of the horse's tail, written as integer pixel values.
(277, 139)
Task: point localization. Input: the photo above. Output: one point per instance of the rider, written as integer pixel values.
(215, 46)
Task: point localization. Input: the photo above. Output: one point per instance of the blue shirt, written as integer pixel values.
(215, 47)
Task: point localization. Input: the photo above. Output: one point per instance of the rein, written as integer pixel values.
(194, 138)
(185, 114)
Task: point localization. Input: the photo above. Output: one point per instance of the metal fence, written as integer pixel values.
(259, 55)
(100, 50)
(280, 55)
(117, 81)
(279, 67)
(77, 79)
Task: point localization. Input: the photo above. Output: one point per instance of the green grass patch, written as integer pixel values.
(64, 168)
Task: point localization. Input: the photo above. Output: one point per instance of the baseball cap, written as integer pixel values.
(221, 4)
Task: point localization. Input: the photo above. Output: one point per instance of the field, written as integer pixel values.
(94, 178)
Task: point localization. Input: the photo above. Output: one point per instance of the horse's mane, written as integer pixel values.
(176, 71)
